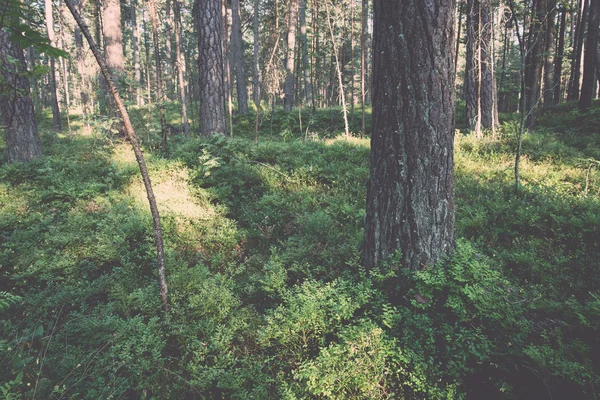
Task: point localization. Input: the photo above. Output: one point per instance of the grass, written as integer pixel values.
(269, 300)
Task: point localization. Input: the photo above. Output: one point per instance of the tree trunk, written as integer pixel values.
(137, 83)
(81, 69)
(549, 43)
(159, 84)
(591, 56)
(113, 38)
(534, 62)
(290, 56)
(557, 97)
(237, 57)
(410, 195)
(20, 130)
(180, 66)
(255, 75)
(472, 69)
(158, 239)
(210, 67)
(363, 60)
(56, 121)
(339, 71)
(305, 64)
(575, 77)
(488, 106)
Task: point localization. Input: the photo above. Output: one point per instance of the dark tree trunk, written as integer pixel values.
(290, 56)
(158, 239)
(549, 43)
(20, 130)
(472, 69)
(591, 56)
(557, 97)
(210, 67)
(410, 195)
(363, 60)
(237, 57)
(180, 66)
(575, 77)
(534, 62)
(56, 121)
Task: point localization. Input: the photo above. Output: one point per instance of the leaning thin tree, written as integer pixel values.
(410, 195)
(158, 240)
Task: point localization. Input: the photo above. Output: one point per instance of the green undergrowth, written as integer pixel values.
(267, 293)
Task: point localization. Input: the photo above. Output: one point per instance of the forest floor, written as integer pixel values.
(268, 296)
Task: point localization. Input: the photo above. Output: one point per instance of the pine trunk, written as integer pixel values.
(557, 97)
(472, 69)
(56, 121)
(410, 195)
(20, 130)
(210, 67)
(591, 57)
(237, 57)
(290, 56)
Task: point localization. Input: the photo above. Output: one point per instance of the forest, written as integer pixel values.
(299, 199)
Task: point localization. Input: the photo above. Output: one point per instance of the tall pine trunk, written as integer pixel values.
(56, 121)
(237, 57)
(180, 67)
(210, 67)
(18, 118)
(410, 194)
(575, 77)
(591, 57)
(549, 42)
(159, 81)
(558, 60)
(290, 56)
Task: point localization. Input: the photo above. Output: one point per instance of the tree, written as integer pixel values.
(159, 84)
(410, 195)
(180, 66)
(113, 37)
(237, 57)
(210, 67)
(590, 57)
(56, 122)
(20, 130)
(290, 56)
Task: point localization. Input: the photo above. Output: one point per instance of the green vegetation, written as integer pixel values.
(268, 296)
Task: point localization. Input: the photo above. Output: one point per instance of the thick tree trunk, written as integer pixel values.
(159, 83)
(557, 97)
(113, 38)
(363, 60)
(180, 66)
(591, 57)
(18, 118)
(158, 239)
(472, 69)
(288, 100)
(410, 195)
(210, 67)
(237, 57)
(56, 121)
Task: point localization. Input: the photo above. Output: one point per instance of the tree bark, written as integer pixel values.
(256, 72)
(180, 66)
(81, 69)
(339, 71)
(56, 121)
(575, 77)
(210, 67)
(305, 64)
(534, 62)
(237, 57)
(472, 69)
(549, 42)
(135, 39)
(113, 38)
(410, 195)
(363, 60)
(158, 240)
(159, 83)
(557, 97)
(488, 106)
(20, 130)
(591, 57)
(288, 100)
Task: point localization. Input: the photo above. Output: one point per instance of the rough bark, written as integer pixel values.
(210, 67)
(158, 240)
(256, 72)
(410, 195)
(237, 57)
(472, 69)
(575, 77)
(288, 100)
(558, 60)
(56, 121)
(488, 106)
(534, 62)
(549, 42)
(180, 67)
(591, 57)
(18, 117)
(113, 37)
